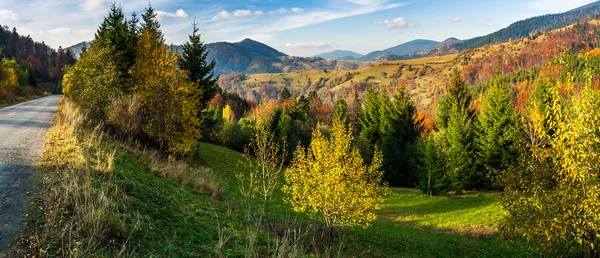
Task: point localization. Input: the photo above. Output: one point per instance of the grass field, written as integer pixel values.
(412, 224)
(152, 207)
(300, 79)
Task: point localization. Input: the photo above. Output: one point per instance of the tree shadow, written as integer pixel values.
(25, 123)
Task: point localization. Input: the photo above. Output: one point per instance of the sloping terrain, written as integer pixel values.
(423, 78)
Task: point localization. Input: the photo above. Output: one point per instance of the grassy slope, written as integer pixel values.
(411, 224)
(156, 216)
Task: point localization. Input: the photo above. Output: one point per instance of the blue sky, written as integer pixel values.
(301, 28)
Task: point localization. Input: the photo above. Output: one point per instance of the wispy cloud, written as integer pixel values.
(314, 45)
(224, 15)
(397, 23)
(57, 31)
(297, 10)
(456, 20)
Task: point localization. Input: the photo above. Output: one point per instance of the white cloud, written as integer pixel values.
(367, 2)
(397, 23)
(456, 20)
(92, 5)
(177, 14)
(242, 13)
(297, 10)
(557, 5)
(314, 45)
(223, 15)
(282, 10)
(58, 31)
(316, 17)
(8, 16)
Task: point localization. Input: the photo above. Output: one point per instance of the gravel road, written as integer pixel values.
(22, 130)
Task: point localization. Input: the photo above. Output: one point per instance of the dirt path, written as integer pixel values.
(22, 130)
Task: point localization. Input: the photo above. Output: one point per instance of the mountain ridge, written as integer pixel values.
(340, 55)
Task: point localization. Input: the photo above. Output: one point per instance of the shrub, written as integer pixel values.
(125, 114)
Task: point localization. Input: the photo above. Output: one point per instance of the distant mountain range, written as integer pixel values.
(402, 49)
(340, 55)
(250, 56)
(533, 25)
(76, 49)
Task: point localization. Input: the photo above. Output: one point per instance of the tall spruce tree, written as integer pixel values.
(459, 135)
(119, 35)
(498, 128)
(390, 125)
(194, 59)
(340, 112)
(401, 130)
(284, 95)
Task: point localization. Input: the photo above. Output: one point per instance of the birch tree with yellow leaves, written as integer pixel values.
(329, 179)
(553, 195)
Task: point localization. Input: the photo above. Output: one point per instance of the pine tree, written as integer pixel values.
(340, 112)
(498, 128)
(194, 59)
(119, 35)
(151, 22)
(401, 130)
(284, 95)
(459, 135)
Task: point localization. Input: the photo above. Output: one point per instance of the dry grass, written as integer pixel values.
(202, 178)
(125, 114)
(77, 217)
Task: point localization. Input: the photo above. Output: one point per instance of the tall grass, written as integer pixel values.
(78, 216)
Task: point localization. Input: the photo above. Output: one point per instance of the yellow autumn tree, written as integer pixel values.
(553, 196)
(330, 179)
(169, 100)
(93, 82)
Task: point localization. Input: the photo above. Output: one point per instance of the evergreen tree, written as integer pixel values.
(151, 22)
(390, 125)
(459, 135)
(194, 58)
(401, 130)
(458, 95)
(340, 112)
(498, 128)
(284, 95)
(118, 35)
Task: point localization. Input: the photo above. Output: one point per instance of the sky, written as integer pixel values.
(299, 28)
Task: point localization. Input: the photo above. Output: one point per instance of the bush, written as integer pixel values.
(125, 114)
(93, 82)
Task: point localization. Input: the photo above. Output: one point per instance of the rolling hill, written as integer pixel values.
(340, 55)
(426, 77)
(251, 57)
(402, 49)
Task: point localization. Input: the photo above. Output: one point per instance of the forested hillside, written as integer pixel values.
(493, 151)
(401, 50)
(249, 56)
(28, 68)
